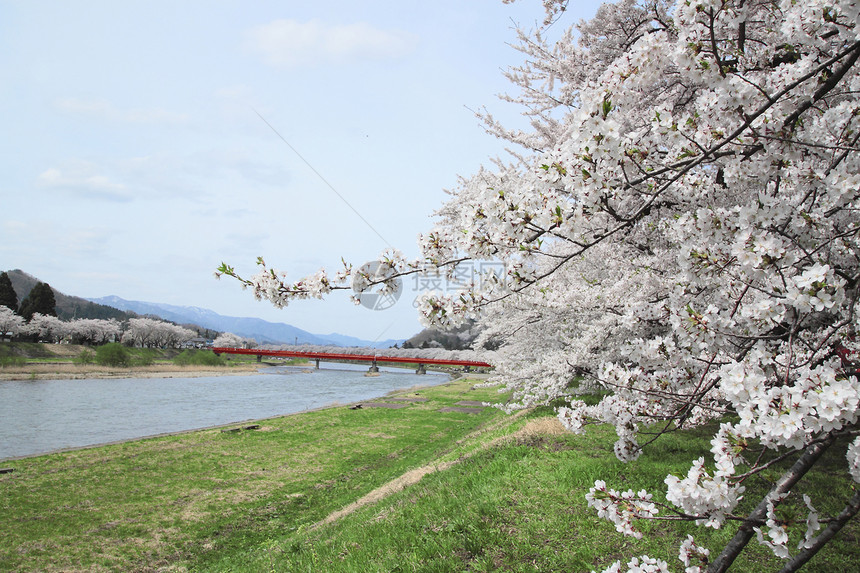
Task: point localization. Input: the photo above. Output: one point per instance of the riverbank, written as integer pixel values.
(426, 479)
(167, 502)
(67, 371)
(42, 361)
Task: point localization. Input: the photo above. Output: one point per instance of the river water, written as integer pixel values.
(41, 416)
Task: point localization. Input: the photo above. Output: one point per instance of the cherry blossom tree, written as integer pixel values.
(139, 332)
(10, 322)
(230, 340)
(173, 335)
(149, 332)
(680, 230)
(95, 330)
(47, 327)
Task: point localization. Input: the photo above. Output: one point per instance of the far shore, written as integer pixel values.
(82, 371)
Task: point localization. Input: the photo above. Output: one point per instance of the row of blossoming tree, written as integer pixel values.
(680, 230)
(142, 332)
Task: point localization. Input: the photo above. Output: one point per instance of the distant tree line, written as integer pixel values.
(139, 332)
(36, 318)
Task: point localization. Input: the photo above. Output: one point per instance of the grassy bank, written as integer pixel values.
(41, 352)
(419, 488)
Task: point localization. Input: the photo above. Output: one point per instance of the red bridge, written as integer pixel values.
(373, 359)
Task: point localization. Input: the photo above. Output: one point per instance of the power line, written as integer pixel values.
(330, 186)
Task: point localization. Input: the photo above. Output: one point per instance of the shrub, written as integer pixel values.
(199, 358)
(85, 357)
(112, 354)
(6, 361)
(144, 357)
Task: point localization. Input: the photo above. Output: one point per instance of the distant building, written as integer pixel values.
(197, 343)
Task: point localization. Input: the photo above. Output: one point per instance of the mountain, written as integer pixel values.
(68, 307)
(450, 339)
(262, 331)
(344, 340)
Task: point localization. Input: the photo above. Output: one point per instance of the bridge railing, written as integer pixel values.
(348, 356)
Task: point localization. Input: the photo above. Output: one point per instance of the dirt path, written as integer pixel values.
(541, 426)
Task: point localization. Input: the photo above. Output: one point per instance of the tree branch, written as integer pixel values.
(793, 475)
(851, 509)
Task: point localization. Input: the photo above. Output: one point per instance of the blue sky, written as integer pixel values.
(134, 159)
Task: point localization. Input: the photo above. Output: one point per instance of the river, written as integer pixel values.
(41, 416)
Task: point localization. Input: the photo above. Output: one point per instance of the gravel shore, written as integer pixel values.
(77, 372)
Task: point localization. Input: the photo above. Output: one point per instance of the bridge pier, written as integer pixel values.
(317, 363)
(374, 369)
(259, 358)
(421, 368)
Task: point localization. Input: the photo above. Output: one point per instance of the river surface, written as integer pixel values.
(41, 416)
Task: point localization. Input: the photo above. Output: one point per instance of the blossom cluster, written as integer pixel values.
(642, 564)
(621, 508)
(820, 400)
(853, 455)
(708, 497)
(693, 556)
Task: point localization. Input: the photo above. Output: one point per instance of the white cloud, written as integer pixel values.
(50, 241)
(81, 180)
(89, 243)
(289, 43)
(106, 110)
(238, 92)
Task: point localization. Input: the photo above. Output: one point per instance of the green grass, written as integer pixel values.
(199, 358)
(521, 507)
(205, 496)
(255, 500)
(6, 361)
(26, 350)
